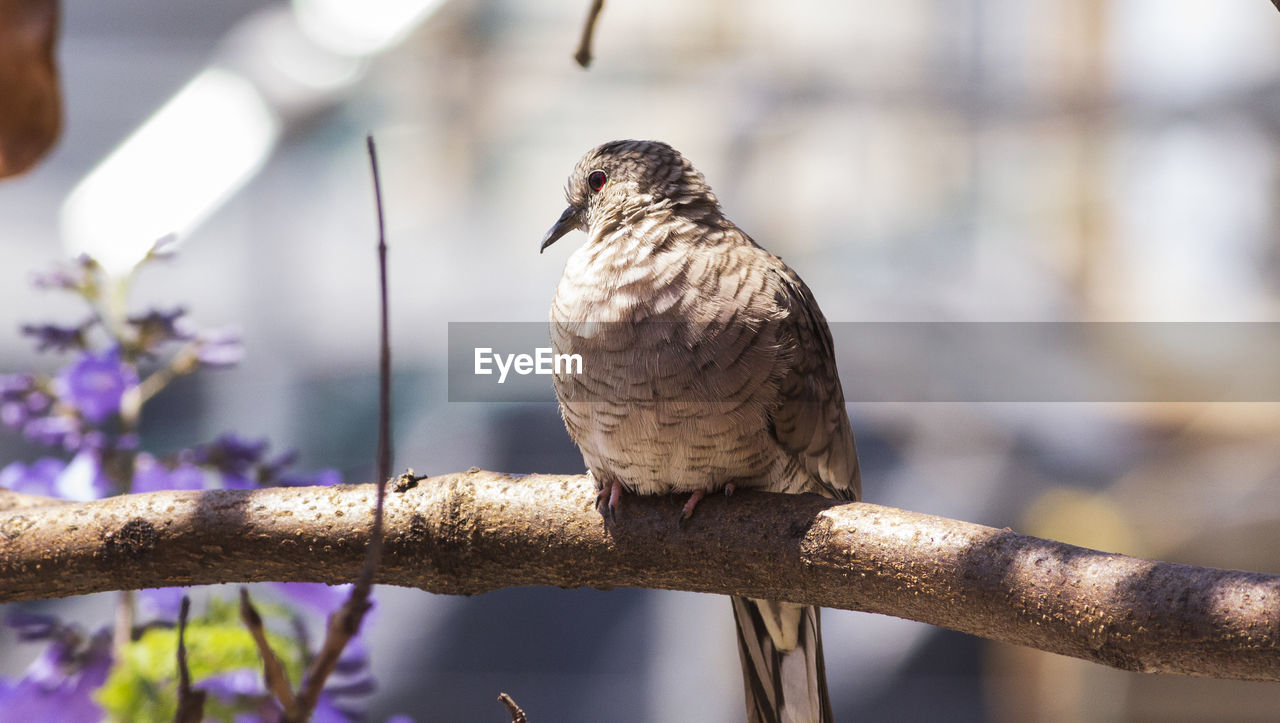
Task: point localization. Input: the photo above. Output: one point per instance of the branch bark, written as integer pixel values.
(477, 531)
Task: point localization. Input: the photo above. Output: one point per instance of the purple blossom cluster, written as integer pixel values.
(88, 412)
(60, 684)
(73, 409)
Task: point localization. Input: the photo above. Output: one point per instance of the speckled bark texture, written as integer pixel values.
(477, 531)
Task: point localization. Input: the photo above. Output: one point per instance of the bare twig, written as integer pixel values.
(583, 54)
(122, 628)
(384, 350)
(272, 669)
(345, 622)
(190, 701)
(472, 532)
(517, 715)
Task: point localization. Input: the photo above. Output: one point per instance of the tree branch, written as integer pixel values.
(273, 672)
(477, 531)
(190, 701)
(583, 54)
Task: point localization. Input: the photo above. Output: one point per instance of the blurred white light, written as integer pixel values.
(360, 28)
(175, 169)
(315, 69)
(1203, 48)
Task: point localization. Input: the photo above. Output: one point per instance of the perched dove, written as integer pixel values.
(706, 366)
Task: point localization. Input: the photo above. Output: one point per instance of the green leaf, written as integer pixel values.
(143, 683)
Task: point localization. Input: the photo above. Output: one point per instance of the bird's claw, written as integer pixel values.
(687, 511)
(607, 500)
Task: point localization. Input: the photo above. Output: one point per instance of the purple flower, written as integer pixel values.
(53, 430)
(150, 475)
(219, 347)
(96, 383)
(37, 478)
(82, 479)
(229, 686)
(13, 414)
(162, 603)
(15, 386)
(56, 279)
(58, 338)
(317, 596)
(186, 477)
(351, 680)
(330, 710)
(156, 327)
(31, 627)
(241, 687)
(237, 482)
(230, 453)
(358, 685)
(354, 661)
(58, 685)
(234, 458)
(37, 401)
(18, 398)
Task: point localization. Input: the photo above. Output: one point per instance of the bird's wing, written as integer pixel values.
(810, 421)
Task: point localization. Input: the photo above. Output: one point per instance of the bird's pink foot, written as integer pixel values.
(607, 499)
(687, 511)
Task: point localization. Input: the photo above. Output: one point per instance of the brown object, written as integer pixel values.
(190, 701)
(582, 56)
(706, 366)
(478, 531)
(517, 714)
(30, 99)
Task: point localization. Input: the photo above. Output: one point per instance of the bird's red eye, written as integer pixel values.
(595, 181)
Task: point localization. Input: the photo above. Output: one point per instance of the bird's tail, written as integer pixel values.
(783, 674)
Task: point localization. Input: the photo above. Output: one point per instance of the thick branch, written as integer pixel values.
(477, 531)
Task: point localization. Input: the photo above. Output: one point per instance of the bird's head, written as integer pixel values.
(621, 181)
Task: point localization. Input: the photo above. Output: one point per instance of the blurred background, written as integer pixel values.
(990, 160)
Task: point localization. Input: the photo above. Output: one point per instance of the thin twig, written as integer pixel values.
(303, 636)
(384, 356)
(517, 715)
(122, 630)
(344, 623)
(272, 669)
(190, 701)
(583, 55)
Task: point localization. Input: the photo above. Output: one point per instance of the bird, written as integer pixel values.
(706, 367)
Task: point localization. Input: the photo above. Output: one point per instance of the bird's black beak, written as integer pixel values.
(569, 220)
